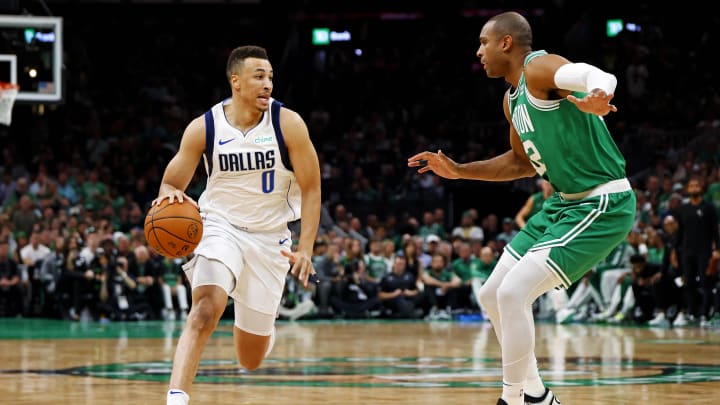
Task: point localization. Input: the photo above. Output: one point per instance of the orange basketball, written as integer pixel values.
(173, 230)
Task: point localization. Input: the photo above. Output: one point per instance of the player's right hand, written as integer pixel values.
(174, 195)
(438, 162)
(302, 266)
(595, 102)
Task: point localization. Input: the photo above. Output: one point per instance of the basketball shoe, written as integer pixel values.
(548, 398)
(177, 397)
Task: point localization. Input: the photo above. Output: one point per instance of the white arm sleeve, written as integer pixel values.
(585, 78)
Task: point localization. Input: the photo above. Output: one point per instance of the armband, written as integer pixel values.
(584, 77)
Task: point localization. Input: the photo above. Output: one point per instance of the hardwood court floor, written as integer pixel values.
(55, 362)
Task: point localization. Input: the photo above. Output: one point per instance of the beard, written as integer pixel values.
(695, 195)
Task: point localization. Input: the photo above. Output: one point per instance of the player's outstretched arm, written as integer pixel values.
(511, 165)
(438, 162)
(554, 72)
(306, 167)
(182, 166)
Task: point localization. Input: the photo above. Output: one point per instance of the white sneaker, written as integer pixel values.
(438, 315)
(548, 398)
(303, 308)
(617, 318)
(564, 315)
(432, 315)
(659, 321)
(444, 315)
(601, 316)
(168, 314)
(177, 397)
(680, 320)
(580, 316)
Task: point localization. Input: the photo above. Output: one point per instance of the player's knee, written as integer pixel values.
(203, 317)
(250, 354)
(250, 362)
(508, 295)
(487, 296)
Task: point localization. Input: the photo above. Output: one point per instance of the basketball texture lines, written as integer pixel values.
(173, 230)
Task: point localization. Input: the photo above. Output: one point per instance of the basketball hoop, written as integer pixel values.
(8, 93)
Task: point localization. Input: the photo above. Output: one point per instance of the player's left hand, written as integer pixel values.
(302, 266)
(439, 163)
(595, 102)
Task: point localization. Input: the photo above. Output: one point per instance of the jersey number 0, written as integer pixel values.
(268, 181)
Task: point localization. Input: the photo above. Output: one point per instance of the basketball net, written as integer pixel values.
(8, 93)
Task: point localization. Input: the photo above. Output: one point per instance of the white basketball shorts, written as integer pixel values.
(254, 259)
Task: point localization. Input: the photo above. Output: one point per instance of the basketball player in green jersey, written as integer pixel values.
(555, 109)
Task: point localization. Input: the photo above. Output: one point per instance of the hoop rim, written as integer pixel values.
(8, 86)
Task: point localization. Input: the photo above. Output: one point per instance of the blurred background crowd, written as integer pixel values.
(77, 178)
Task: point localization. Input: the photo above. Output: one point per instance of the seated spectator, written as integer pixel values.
(655, 292)
(508, 231)
(646, 286)
(389, 252)
(10, 301)
(147, 270)
(468, 268)
(175, 290)
(444, 289)
(76, 290)
(118, 299)
(358, 297)
(412, 258)
(32, 256)
(326, 261)
(51, 270)
(430, 226)
(399, 293)
(612, 275)
(296, 301)
(375, 262)
(468, 230)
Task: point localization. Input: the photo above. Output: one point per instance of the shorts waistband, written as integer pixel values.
(221, 220)
(611, 187)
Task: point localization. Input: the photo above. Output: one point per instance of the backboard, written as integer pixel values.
(31, 56)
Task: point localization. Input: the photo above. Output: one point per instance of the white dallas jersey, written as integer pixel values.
(250, 179)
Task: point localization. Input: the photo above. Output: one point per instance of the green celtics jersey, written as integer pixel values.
(376, 266)
(466, 270)
(571, 149)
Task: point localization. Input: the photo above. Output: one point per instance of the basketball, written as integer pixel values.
(173, 230)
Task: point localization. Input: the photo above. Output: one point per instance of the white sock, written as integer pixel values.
(177, 397)
(534, 385)
(271, 343)
(513, 394)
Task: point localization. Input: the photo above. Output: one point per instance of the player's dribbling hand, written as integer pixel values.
(437, 162)
(595, 102)
(172, 196)
(302, 267)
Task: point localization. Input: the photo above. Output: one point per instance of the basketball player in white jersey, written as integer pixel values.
(263, 172)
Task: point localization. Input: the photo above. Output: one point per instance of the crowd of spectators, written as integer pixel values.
(77, 178)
